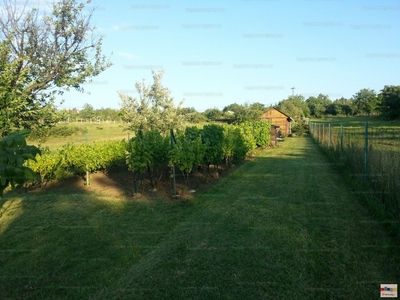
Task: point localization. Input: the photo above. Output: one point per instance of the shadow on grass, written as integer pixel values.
(269, 230)
(71, 243)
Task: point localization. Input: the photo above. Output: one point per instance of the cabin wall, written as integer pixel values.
(277, 118)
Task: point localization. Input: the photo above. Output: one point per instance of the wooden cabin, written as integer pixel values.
(278, 119)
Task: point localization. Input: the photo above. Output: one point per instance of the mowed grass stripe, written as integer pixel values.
(296, 233)
(282, 226)
(54, 246)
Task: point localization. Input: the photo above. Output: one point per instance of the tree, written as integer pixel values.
(107, 114)
(13, 99)
(258, 106)
(318, 105)
(340, 106)
(249, 112)
(64, 115)
(289, 108)
(213, 114)
(193, 116)
(347, 109)
(334, 109)
(365, 102)
(42, 55)
(234, 107)
(390, 97)
(87, 112)
(188, 110)
(238, 114)
(294, 106)
(155, 109)
(234, 112)
(17, 106)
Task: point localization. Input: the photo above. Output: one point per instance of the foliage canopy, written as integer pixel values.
(42, 54)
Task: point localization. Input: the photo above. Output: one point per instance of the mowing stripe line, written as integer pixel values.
(318, 250)
(228, 248)
(136, 246)
(263, 283)
(145, 232)
(18, 250)
(77, 227)
(258, 248)
(379, 222)
(380, 246)
(17, 276)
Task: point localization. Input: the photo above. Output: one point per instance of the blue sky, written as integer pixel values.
(215, 53)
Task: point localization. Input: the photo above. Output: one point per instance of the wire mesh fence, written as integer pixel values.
(372, 156)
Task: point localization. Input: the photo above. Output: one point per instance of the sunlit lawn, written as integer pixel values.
(95, 132)
(358, 121)
(282, 226)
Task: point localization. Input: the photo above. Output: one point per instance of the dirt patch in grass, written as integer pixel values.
(119, 182)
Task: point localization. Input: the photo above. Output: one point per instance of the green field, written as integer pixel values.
(371, 157)
(282, 226)
(110, 131)
(107, 131)
(95, 132)
(358, 121)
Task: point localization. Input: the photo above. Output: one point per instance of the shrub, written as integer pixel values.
(14, 154)
(59, 131)
(213, 136)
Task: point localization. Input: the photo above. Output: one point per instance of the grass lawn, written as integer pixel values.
(358, 121)
(95, 132)
(282, 226)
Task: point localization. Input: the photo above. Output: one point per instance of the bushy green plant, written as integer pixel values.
(247, 131)
(46, 166)
(262, 133)
(78, 160)
(187, 152)
(300, 127)
(213, 137)
(192, 132)
(234, 147)
(147, 149)
(58, 131)
(14, 152)
(240, 149)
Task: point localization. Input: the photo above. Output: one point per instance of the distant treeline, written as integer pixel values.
(364, 102)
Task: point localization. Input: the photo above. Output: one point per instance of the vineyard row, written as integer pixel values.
(148, 150)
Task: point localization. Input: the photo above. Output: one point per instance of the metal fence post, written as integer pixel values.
(329, 136)
(341, 141)
(319, 132)
(173, 165)
(366, 153)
